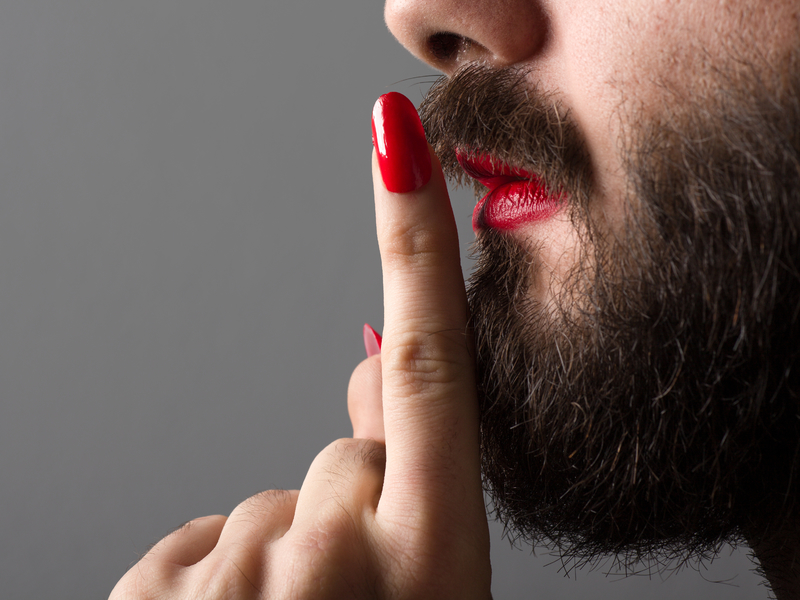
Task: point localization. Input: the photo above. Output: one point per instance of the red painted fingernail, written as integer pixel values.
(399, 138)
(372, 341)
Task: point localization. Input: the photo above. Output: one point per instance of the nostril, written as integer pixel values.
(444, 47)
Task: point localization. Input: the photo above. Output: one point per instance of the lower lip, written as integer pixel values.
(513, 204)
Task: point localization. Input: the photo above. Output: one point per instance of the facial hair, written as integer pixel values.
(654, 409)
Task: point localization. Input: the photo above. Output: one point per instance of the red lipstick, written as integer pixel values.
(515, 197)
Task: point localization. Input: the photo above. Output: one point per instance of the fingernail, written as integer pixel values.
(399, 138)
(372, 341)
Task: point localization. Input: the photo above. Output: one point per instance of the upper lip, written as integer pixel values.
(491, 172)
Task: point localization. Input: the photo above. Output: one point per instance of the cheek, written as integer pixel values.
(608, 61)
(599, 54)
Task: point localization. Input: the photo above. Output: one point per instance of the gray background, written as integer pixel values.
(187, 256)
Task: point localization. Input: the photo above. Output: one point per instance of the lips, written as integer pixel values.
(516, 197)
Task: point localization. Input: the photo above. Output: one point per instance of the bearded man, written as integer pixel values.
(628, 377)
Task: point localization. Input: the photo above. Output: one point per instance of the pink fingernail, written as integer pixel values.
(372, 341)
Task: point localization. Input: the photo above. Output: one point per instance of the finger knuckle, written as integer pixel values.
(420, 362)
(346, 456)
(347, 476)
(264, 504)
(270, 501)
(411, 242)
(271, 506)
(182, 528)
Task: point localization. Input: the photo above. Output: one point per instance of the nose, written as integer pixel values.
(448, 33)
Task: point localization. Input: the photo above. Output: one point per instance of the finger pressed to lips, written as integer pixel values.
(432, 493)
(429, 401)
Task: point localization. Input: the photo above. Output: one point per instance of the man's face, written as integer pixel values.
(636, 346)
(601, 60)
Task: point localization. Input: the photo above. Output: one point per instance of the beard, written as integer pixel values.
(652, 409)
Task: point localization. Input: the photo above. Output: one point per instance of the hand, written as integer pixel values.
(397, 512)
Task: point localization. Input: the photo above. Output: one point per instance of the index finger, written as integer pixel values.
(429, 398)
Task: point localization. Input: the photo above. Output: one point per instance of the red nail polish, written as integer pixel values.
(372, 341)
(399, 138)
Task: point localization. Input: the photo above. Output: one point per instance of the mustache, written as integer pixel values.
(486, 110)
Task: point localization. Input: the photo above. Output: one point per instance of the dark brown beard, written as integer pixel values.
(525, 128)
(656, 411)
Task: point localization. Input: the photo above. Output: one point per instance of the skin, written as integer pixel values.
(410, 527)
